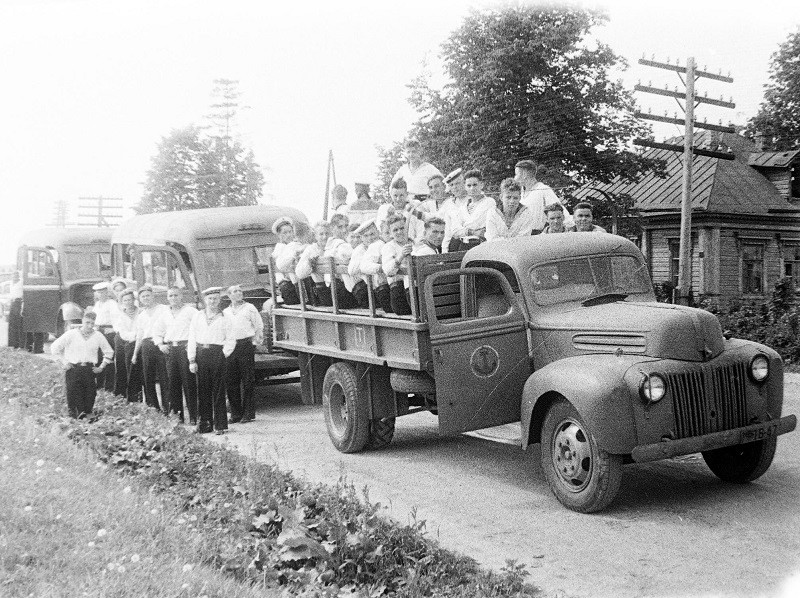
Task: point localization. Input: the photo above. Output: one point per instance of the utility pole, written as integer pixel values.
(60, 214)
(331, 172)
(691, 101)
(103, 210)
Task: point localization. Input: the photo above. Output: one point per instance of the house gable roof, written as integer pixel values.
(772, 159)
(722, 186)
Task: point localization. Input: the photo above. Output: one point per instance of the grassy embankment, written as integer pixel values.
(134, 505)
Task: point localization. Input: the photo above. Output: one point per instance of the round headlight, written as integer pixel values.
(653, 388)
(759, 368)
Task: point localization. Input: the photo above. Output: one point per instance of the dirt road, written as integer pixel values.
(674, 530)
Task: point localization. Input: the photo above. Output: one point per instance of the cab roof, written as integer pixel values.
(59, 237)
(187, 226)
(521, 253)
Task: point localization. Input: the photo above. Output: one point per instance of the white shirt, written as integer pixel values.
(536, 198)
(245, 321)
(209, 331)
(172, 327)
(371, 263)
(125, 326)
(286, 256)
(305, 268)
(74, 348)
(521, 225)
(416, 181)
(413, 211)
(106, 311)
(342, 253)
(424, 249)
(354, 266)
(391, 261)
(473, 216)
(146, 319)
(447, 211)
(16, 290)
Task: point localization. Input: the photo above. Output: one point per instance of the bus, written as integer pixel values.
(197, 249)
(59, 266)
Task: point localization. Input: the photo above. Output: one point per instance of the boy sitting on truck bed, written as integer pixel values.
(339, 248)
(367, 234)
(370, 265)
(393, 256)
(308, 259)
(286, 253)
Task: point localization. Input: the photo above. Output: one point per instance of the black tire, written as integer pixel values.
(346, 413)
(411, 382)
(741, 463)
(381, 432)
(583, 477)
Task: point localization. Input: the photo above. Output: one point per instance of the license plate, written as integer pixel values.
(762, 433)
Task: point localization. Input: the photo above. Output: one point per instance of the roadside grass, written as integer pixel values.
(70, 528)
(209, 507)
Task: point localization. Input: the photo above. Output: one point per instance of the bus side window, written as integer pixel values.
(174, 272)
(104, 264)
(154, 268)
(40, 264)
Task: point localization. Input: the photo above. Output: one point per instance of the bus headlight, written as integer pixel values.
(759, 368)
(653, 388)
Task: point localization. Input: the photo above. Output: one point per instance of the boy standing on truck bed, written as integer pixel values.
(78, 350)
(210, 342)
(247, 331)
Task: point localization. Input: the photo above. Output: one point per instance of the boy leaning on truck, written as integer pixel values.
(77, 350)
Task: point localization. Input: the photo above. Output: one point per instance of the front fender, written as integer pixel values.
(71, 311)
(595, 386)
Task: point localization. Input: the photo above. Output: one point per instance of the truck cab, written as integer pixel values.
(563, 334)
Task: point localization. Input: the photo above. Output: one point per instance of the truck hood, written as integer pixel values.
(659, 330)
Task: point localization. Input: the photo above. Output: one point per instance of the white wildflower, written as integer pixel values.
(40, 462)
(121, 568)
(126, 490)
(193, 518)
(187, 568)
(90, 545)
(58, 470)
(135, 558)
(102, 533)
(28, 508)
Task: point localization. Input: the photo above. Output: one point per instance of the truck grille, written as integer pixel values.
(709, 400)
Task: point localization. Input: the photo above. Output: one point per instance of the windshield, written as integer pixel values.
(77, 265)
(236, 265)
(578, 279)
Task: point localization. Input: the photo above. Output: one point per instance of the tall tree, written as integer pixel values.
(528, 82)
(778, 118)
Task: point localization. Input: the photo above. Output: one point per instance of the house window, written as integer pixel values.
(791, 263)
(674, 261)
(753, 268)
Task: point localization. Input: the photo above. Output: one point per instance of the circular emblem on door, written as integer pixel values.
(484, 361)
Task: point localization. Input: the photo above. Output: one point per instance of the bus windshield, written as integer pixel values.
(78, 264)
(579, 279)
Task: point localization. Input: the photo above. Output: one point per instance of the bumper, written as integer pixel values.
(696, 444)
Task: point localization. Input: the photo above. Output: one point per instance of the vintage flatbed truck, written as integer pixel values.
(561, 333)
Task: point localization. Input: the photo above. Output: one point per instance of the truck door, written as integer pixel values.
(41, 289)
(479, 346)
(162, 267)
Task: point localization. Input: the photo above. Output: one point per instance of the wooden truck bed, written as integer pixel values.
(370, 335)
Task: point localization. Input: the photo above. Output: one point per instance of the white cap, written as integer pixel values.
(453, 175)
(100, 286)
(365, 225)
(211, 291)
(276, 226)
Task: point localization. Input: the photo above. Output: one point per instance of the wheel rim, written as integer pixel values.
(338, 408)
(572, 456)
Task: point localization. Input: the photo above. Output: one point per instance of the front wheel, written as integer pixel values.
(583, 477)
(741, 463)
(346, 412)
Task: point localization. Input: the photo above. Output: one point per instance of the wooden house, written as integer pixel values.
(745, 218)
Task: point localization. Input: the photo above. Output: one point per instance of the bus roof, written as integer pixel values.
(57, 238)
(186, 226)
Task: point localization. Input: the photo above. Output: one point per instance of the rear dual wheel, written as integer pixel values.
(347, 413)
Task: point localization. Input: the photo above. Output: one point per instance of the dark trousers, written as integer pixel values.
(34, 341)
(181, 381)
(133, 381)
(211, 388)
(154, 367)
(81, 390)
(383, 297)
(361, 294)
(240, 379)
(398, 295)
(344, 298)
(120, 367)
(289, 292)
(322, 294)
(15, 340)
(105, 379)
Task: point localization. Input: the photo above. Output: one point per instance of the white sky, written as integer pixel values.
(91, 86)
